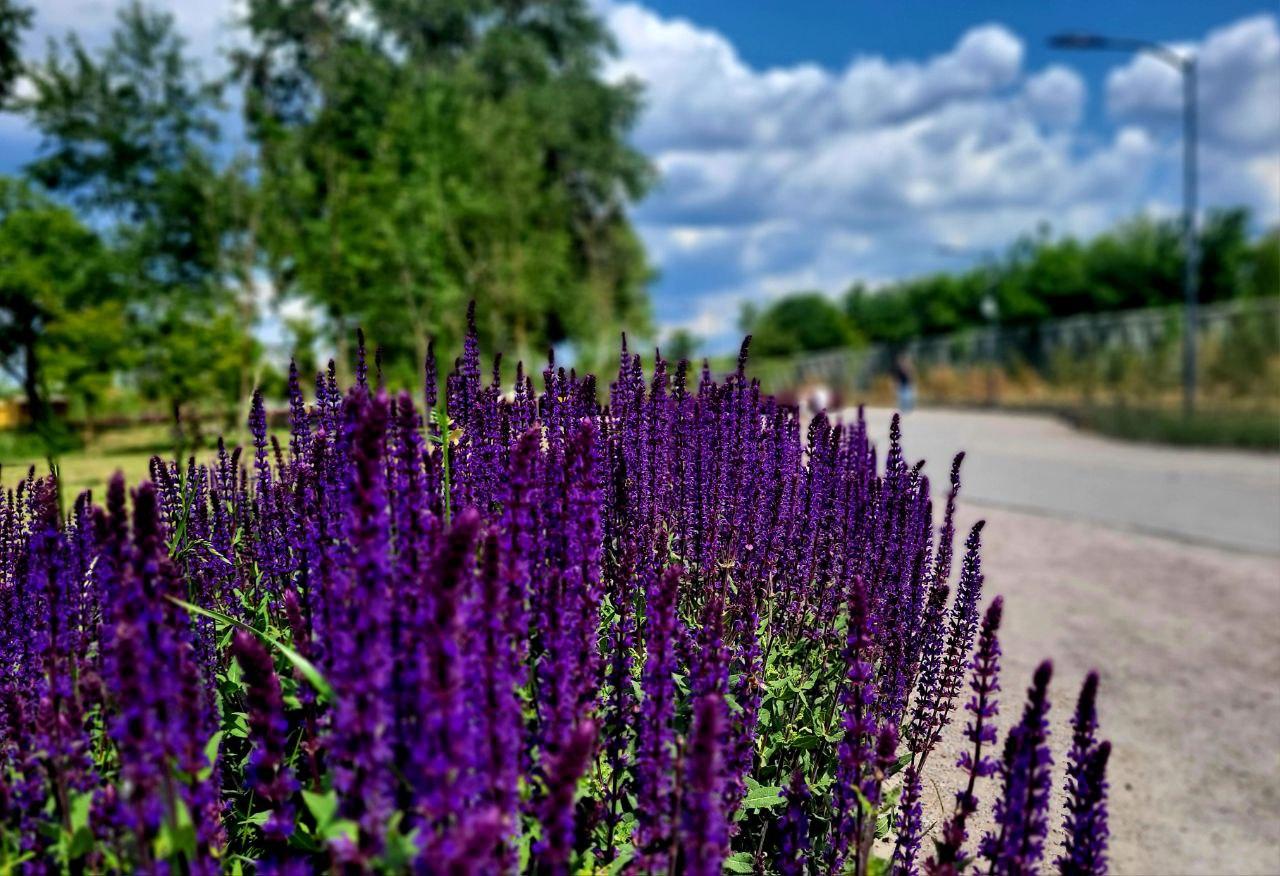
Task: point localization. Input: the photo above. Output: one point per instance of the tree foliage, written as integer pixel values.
(129, 136)
(14, 19)
(1137, 264)
(806, 321)
(61, 319)
(416, 153)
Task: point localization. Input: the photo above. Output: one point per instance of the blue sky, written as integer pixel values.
(812, 143)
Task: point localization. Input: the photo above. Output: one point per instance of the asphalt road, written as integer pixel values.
(1038, 464)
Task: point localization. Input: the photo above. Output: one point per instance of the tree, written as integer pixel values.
(129, 136)
(1138, 263)
(681, 344)
(802, 322)
(1264, 265)
(14, 19)
(58, 302)
(417, 153)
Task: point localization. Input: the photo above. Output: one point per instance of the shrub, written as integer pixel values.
(530, 634)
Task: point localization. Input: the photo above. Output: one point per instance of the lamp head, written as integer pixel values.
(1077, 40)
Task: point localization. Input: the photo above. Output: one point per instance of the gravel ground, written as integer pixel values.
(1187, 641)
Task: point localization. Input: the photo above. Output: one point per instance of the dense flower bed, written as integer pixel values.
(666, 636)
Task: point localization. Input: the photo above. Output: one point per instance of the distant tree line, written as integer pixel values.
(398, 158)
(1137, 264)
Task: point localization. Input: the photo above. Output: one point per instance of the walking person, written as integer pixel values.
(903, 376)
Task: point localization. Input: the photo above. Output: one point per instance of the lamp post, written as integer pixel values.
(1185, 64)
(988, 307)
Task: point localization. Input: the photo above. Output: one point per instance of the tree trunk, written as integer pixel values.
(37, 408)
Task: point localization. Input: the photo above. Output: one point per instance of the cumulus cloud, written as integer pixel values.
(1055, 96)
(207, 26)
(700, 92)
(804, 177)
(1239, 87)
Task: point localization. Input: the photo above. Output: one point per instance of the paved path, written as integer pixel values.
(1161, 568)
(1186, 640)
(1037, 463)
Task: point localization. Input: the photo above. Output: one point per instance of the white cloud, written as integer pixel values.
(1056, 96)
(701, 93)
(808, 177)
(1239, 87)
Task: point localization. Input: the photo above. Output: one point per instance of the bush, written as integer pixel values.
(528, 635)
(1247, 430)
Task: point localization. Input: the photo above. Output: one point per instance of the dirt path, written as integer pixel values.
(1187, 640)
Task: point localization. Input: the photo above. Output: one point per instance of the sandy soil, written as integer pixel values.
(1187, 640)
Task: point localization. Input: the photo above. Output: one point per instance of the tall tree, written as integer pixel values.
(416, 153)
(57, 298)
(14, 19)
(129, 134)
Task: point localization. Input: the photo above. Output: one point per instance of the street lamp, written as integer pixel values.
(988, 307)
(1185, 64)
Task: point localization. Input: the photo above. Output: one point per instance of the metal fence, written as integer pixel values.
(1039, 346)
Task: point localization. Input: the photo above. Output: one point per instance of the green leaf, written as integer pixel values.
(805, 741)
(399, 848)
(211, 754)
(80, 844)
(79, 810)
(304, 666)
(342, 828)
(625, 854)
(177, 837)
(739, 862)
(763, 797)
(321, 806)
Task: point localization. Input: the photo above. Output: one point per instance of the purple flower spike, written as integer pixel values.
(981, 732)
(557, 811)
(908, 826)
(655, 740)
(704, 825)
(266, 772)
(1021, 813)
(1085, 849)
(856, 757)
(793, 829)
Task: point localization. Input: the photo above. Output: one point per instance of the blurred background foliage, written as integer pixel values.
(403, 157)
(392, 159)
(1135, 265)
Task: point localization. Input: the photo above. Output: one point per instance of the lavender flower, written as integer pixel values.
(793, 829)
(557, 810)
(704, 824)
(981, 733)
(1085, 848)
(266, 772)
(854, 773)
(655, 735)
(907, 823)
(1021, 813)
(543, 635)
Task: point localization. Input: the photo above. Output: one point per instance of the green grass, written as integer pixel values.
(1245, 430)
(91, 464)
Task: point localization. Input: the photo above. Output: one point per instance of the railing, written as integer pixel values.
(1140, 331)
